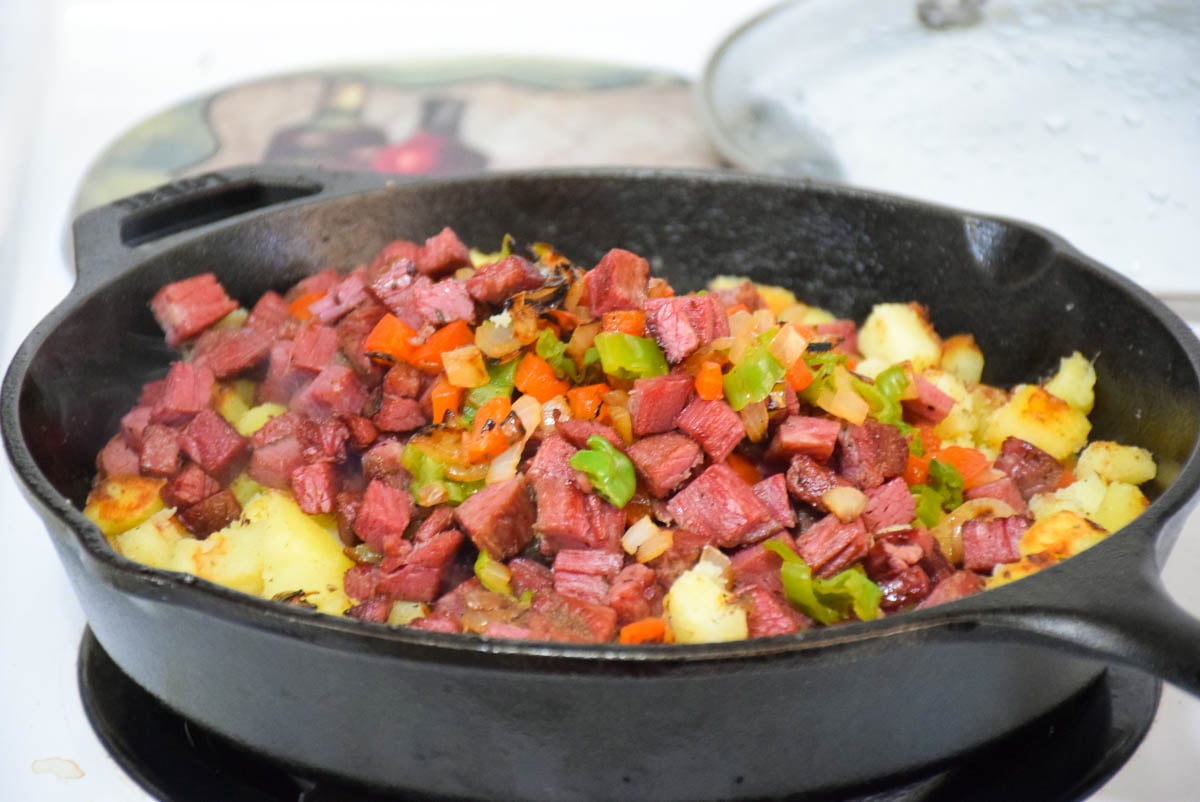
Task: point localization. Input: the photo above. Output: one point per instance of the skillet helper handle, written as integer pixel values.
(1117, 609)
(110, 238)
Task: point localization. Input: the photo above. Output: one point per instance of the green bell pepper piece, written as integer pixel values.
(610, 472)
(752, 379)
(625, 356)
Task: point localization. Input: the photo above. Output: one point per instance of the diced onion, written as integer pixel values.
(948, 531)
(755, 419)
(844, 402)
(529, 411)
(554, 410)
(405, 612)
(787, 345)
(764, 319)
(847, 503)
(464, 367)
(618, 412)
(715, 564)
(646, 539)
(496, 339)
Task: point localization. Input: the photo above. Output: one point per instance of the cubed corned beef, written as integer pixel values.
(278, 427)
(319, 282)
(185, 308)
(904, 589)
(361, 432)
(563, 618)
(438, 520)
(398, 414)
(272, 464)
(773, 493)
(341, 298)
(269, 315)
(314, 348)
(190, 486)
(152, 393)
(588, 587)
(353, 329)
(117, 458)
(895, 551)
(441, 303)
(346, 505)
(682, 555)
(389, 283)
(336, 390)
(745, 294)
(562, 516)
(442, 253)
(552, 461)
(187, 390)
(133, 423)
(529, 576)
(382, 462)
(719, 504)
(714, 425)
(987, 542)
(606, 523)
(1032, 469)
(829, 546)
(325, 441)
(383, 516)
(229, 352)
(805, 434)
(282, 380)
(846, 332)
(604, 564)
(499, 518)
(213, 444)
(668, 323)
(931, 404)
(808, 480)
(1003, 489)
(212, 514)
(420, 577)
(376, 609)
(496, 282)
(314, 487)
(634, 594)
(871, 453)
(890, 504)
(655, 403)
(758, 565)
(361, 581)
(437, 624)
(576, 432)
(160, 450)
(664, 461)
(403, 380)
(707, 317)
(957, 585)
(395, 251)
(618, 281)
(768, 614)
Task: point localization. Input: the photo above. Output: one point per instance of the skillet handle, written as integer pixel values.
(1110, 603)
(110, 238)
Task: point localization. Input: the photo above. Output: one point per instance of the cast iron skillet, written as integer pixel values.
(456, 716)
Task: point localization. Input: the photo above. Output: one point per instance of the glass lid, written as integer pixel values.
(1082, 116)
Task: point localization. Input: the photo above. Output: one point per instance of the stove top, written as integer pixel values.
(1065, 755)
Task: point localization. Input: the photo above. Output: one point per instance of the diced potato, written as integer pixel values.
(1075, 382)
(234, 320)
(962, 421)
(963, 358)
(152, 542)
(1082, 497)
(122, 502)
(1122, 503)
(898, 332)
(274, 549)
(253, 418)
(805, 315)
(244, 488)
(1114, 462)
(699, 607)
(230, 404)
(1045, 420)
(405, 612)
(1050, 540)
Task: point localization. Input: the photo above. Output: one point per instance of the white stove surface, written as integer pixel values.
(74, 74)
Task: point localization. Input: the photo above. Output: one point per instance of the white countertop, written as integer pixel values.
(75, 74)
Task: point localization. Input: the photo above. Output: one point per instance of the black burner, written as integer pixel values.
(1065, 755)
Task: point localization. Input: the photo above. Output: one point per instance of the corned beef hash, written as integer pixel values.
(510, 445)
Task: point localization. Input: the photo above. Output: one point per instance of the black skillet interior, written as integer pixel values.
(1026, 296)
